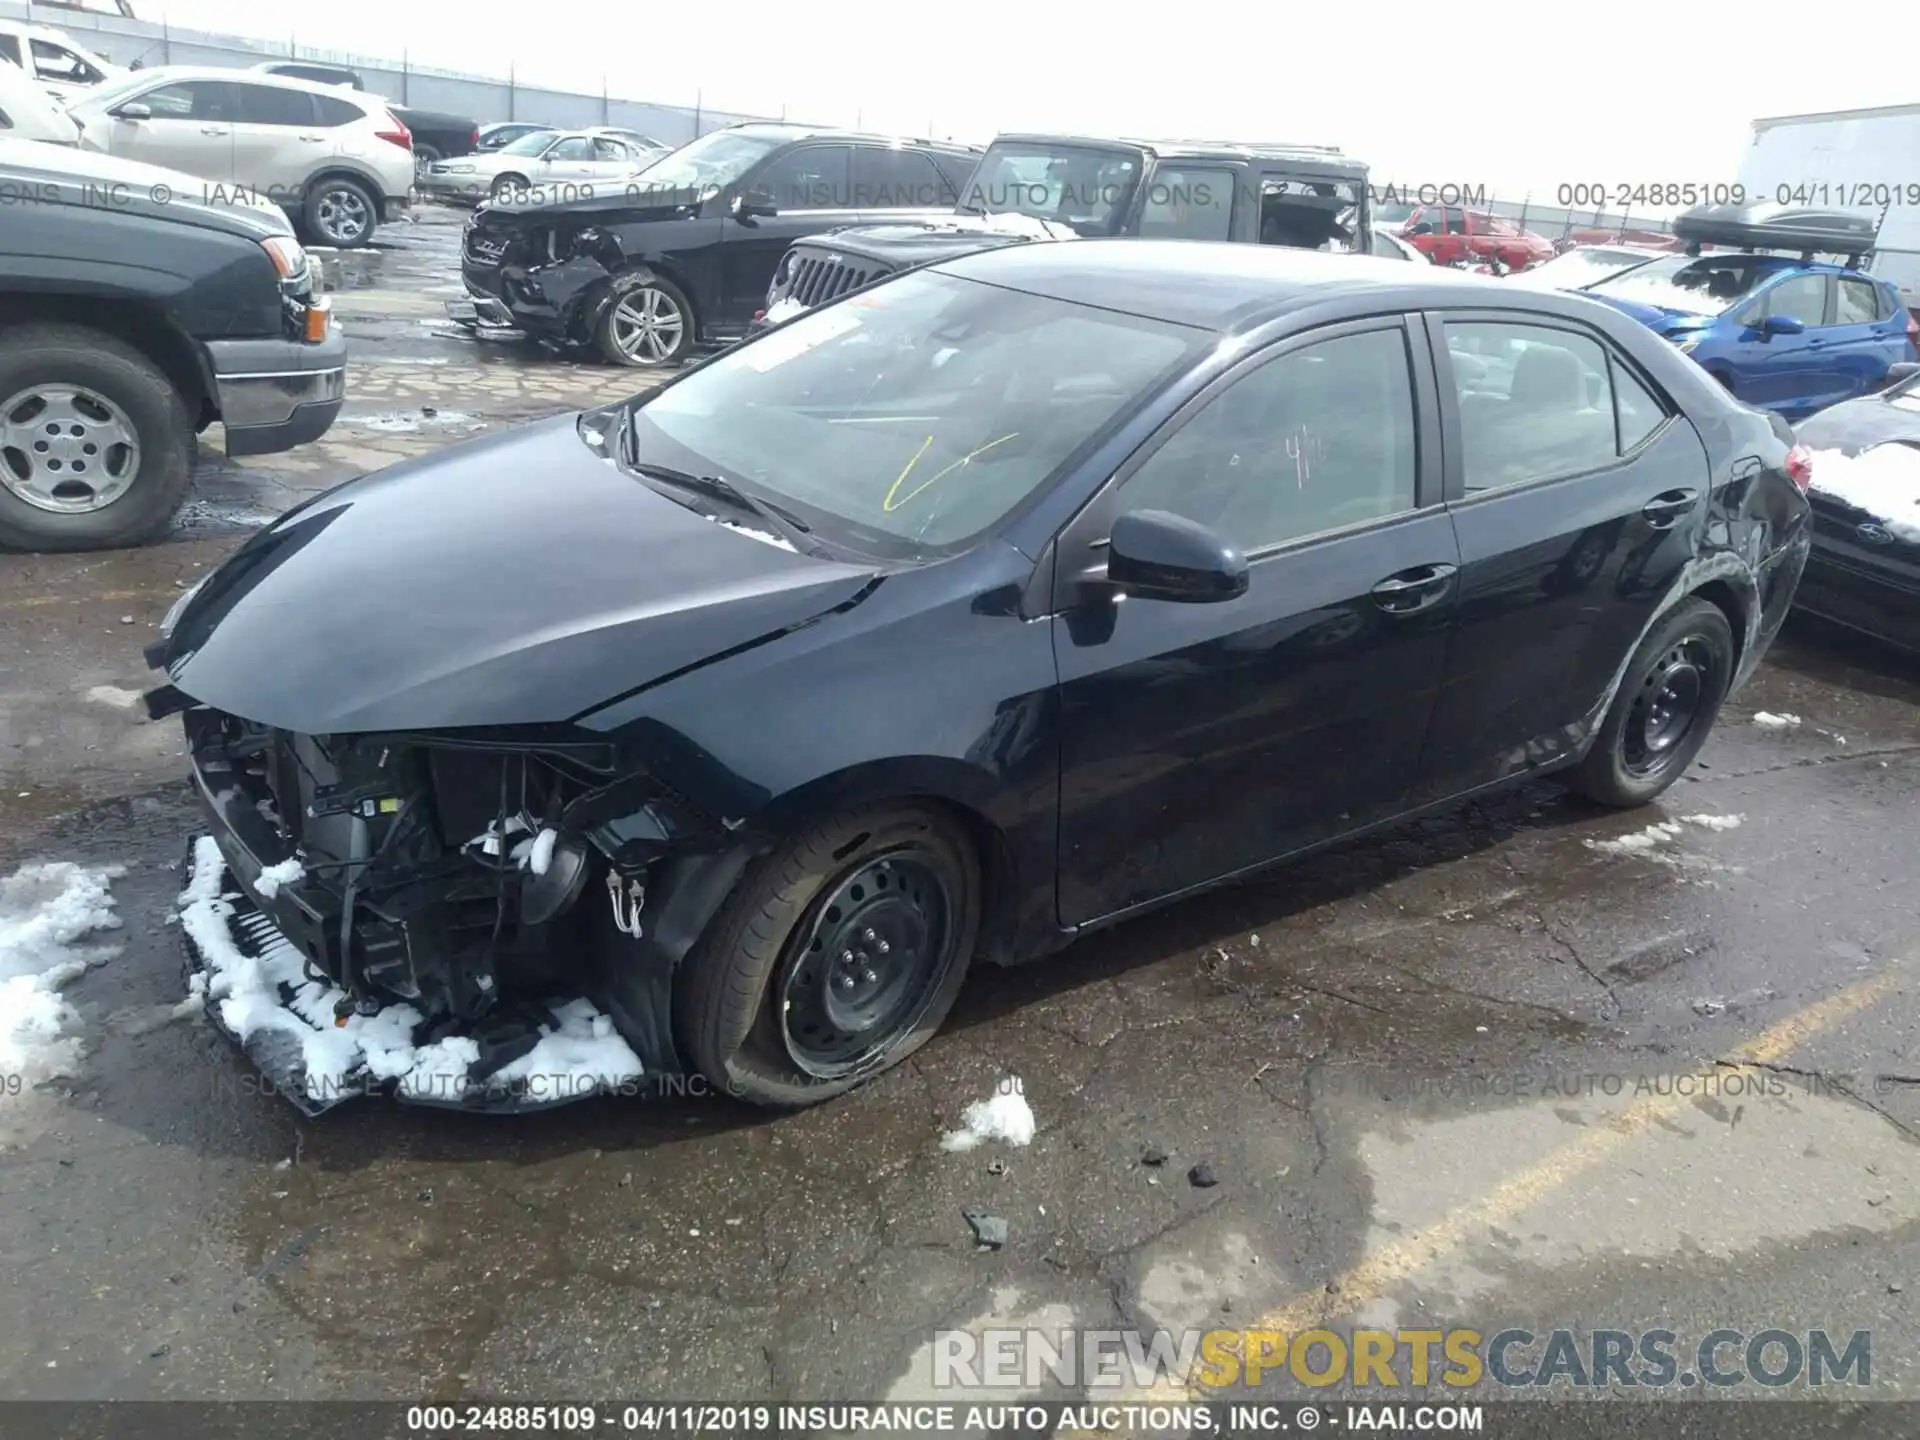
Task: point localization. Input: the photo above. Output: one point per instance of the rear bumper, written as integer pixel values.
(275, 394)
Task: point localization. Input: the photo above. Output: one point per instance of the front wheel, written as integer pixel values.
(837, 957)
(96, 444)
(1667, 703)
(649, 325)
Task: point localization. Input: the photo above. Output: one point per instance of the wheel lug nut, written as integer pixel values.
(868, 976)
(845, 982)
(882, 947)
(868, 934)
(846, 957)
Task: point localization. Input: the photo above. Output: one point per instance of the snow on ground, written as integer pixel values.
(1006, 1116)
(263, 987)
(1884, 481)
(1768, 721)
(1715, 822)
(1641, 841)
(45, 910)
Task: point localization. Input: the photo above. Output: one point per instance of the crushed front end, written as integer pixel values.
(405, 913)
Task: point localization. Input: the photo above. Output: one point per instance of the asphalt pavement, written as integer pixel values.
(1493, 1069)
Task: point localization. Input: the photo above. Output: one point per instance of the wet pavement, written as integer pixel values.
(1491, 1069)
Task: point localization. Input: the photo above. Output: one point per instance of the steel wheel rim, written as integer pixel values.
(868, 962)
(342, 215)
(67, 449)
(1667, 707)
(647, 325)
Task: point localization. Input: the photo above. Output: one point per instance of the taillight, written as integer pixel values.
(1800, 467)
(473, 140)
(398, 135)
(1913, 330)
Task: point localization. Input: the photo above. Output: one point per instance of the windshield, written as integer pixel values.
(1688, 285)
(1394, 213)
(908, 419)
(531, 144)
(1582, 267)
(1085, 188)
(718, 158)
(110, 90)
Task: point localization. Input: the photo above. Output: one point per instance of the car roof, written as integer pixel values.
(1323, 155)
(253, 77)
(1227, 287)
(780, 129)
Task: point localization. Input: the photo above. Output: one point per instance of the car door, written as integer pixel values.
(1201, 739)
(896, 178)
(1861, 344)
(569, 159)
(612, 159)
(1188, 202)
(1790, 373)
(809, 189)
(277, 140)
(188, 126)
(1576, 490)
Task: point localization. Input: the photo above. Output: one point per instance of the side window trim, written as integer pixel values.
(1448, 403)
(1086, 533)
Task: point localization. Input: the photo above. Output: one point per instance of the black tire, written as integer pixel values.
(1668, 700)
(760, 974)
(331, 201)
(425, 155)
(626, 310)
(505, 184)
(74, 355)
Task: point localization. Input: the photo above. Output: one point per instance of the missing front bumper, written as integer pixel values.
(316, 1051)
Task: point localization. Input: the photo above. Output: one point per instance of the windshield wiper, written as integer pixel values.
(716, 487)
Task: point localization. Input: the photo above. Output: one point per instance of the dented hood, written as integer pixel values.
(520, 579)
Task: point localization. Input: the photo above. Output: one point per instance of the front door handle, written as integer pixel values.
(1666, 508)
(314, 139)
(213, 130)
(1416, 589)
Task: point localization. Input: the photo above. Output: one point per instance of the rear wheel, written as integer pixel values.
(96, 444)
(837, 957)
(340, 212)
(423, 156)
(1667, 703)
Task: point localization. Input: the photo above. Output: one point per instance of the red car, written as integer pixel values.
(1447, 233)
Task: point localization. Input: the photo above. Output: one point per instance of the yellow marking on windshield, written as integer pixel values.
(889, 503)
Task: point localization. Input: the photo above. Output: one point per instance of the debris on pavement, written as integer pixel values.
(996, 1167)
(990, 1231)
(1640, 842)
(1715, 822)
(1007, 1116)
(1766, 720)
(1201, 1176)
(1152, 1154)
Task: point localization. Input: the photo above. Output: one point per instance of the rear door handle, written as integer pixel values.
(213, 130)
(313, 139)
(1665, 509)
(1416, 589)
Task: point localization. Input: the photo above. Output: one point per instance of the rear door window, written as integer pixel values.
(1535, 402)
(1187, 203)
(270, 105)
(1857, 302)
(888, 179)
(56, 62)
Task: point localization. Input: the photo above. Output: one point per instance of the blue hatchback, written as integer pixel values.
(1786, 335)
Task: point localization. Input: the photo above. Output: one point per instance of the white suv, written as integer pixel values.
(336, 160)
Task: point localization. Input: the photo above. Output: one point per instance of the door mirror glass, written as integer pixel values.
(1156, 555)
(134, 110)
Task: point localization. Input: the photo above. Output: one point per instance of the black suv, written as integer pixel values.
(133, 316)
(682, 253)
(1036, 187)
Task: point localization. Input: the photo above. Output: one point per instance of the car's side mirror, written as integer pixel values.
(133, 110)
(754, 204)
(1423, 228)
(1782, 325)
(1159, 556)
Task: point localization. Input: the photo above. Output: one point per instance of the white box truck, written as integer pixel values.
(1866, 160)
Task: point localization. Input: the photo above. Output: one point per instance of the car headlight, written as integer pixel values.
(179, 607)
(455, 169)
(287, 256)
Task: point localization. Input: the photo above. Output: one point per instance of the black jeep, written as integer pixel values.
(1061, 187)
(681, 253)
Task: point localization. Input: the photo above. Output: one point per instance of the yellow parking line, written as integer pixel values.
(1371, 1277)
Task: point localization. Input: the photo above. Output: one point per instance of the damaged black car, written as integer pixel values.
(719, 732)
(681, 255)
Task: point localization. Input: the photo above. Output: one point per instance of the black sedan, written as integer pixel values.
(1864, 572)
(720, 731)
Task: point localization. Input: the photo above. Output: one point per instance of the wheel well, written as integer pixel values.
(606, 291)
(1723, 597)
(338, 173)
(140, 325)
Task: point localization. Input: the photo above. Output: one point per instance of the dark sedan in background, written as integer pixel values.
(1001, 601)
(1864, 571)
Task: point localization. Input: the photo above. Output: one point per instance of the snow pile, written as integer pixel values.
(287, 872)
(1006, 1116)
(1884, 481)
(262, 987)
(766, 536)
(44, 910)
(1715, 822)
(783, 309)
(1640, 842)
(1767, 721)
